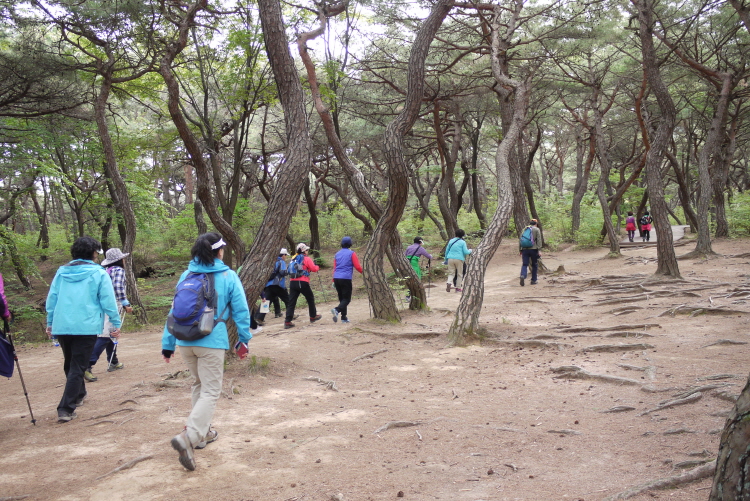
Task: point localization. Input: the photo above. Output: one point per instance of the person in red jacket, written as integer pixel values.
(299, 283)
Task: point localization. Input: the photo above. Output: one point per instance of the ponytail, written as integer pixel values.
(203, 250)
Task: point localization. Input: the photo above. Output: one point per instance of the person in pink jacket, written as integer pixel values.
(299, 283)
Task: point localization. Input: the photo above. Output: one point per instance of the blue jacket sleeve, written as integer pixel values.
(52, 300)
(168, 341)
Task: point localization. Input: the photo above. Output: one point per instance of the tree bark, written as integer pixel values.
(666, 258)
(465, 325)
(381, 297)
(732, 477)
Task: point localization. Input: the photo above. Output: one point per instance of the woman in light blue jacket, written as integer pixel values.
(456, 252)
(80, 294)
(205, 356)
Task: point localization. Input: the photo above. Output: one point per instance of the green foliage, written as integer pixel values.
(738, 214)
(258, 365)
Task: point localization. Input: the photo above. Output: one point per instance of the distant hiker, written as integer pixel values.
(204, 354)
(455, 255)
(80, 296)
(413, 252)
(528, 247)
(299, 269)
(114, 266)
(630, 226)
(344, 263)
(276, 286)
(646, 221)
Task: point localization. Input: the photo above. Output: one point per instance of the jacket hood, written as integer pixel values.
(216, 266)
(78, 270)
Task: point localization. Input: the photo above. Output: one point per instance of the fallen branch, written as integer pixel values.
(611, 348)
(701, 472)
(125, 466)
(673, 403)
(396, 424)
(369, 355)
(575, 372)
(331, 385)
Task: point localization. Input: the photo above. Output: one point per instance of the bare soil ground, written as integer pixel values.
(493, 421)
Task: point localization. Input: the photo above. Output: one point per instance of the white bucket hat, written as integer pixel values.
(283, 252)
(113, 255)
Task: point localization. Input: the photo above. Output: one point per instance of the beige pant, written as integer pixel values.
(207, 365)
(455, 267)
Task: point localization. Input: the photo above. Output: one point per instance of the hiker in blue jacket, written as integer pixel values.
(276, 287)
(455, 253)
(205, 356)
(530, 252)
(80, 295)
(344, 263)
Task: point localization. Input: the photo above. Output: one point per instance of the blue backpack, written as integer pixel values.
(527, 238)
(279, 272)
(295, 269)
(194, 299)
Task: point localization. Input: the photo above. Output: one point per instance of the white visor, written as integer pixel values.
(218, 245)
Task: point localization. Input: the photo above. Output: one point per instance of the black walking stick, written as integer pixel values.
(18, 365)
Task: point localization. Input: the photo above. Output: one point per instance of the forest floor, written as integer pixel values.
(498, 420)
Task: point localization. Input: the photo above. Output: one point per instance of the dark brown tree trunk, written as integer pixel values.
(200, 222)
(381, 297)
(732, 477)
(614, 241)
(583, 172)
(313, 218)
(292, 174)
(666, 258)
(41, 214)
(687, 208)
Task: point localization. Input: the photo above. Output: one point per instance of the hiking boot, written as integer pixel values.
(64, 417)
(335, 314)
(88, 376)
(533, 282)
(288, 325)
(315, 318)
(345, 321)
(210, 437)
(447, 287)
(521, 280)
(278, 315)
(79, 402)
(114, 367)
(181, 443)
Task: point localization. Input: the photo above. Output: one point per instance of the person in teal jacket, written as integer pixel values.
(456, 252)
(80, 294)
(205, 356)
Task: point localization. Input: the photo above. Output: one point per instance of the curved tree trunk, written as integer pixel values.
(466, 322)
(666, 259)
(614, 241)
(381, 298)
(732, 477)
(122, 200)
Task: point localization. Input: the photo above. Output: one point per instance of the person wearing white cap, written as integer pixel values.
(80, 295)
(276, 288)
(299, 283)
(115, 267)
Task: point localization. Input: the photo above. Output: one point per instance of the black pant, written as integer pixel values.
(76, 352)
(344, 288)
(273, 294)
(297, 287)
(526, 256)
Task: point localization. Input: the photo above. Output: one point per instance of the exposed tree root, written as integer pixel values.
(674, 403)
(619, 408)
(699, 310)
(612, 348)
(680, 431)
(403, 335)
(575, 372)
(105, 421)
(630, 334)
(605, 329)
(699, 473)
(331, 385)
(534, 343)
(704, 388)
(396, 424)
(725, 395)
(698, 255)
(370, 355)
(722, 342)
(111, 413)
(169, 384)
(125, 466)
(564, 432)
(716, 377)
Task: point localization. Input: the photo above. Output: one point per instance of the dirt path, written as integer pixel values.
(491, 422)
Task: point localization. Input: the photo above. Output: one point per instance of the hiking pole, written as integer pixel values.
(429, 277)
(114, 340)
(15, 358)
(323, 290)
